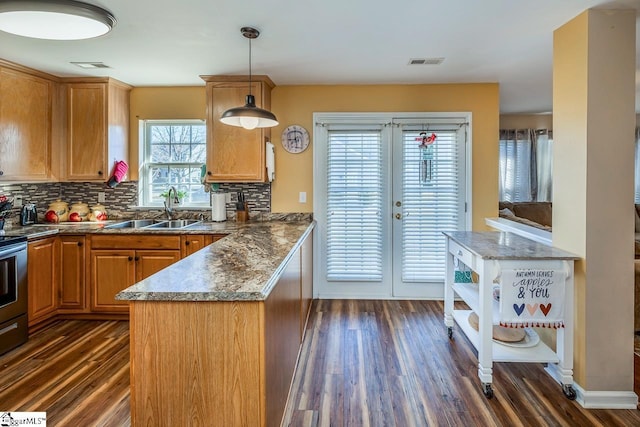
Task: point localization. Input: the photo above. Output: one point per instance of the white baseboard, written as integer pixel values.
(599, 399)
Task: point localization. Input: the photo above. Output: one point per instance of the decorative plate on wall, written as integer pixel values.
(295, 139)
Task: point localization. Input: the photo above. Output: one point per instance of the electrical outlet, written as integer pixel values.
(17, 201)
(101, 196)
(303, 197)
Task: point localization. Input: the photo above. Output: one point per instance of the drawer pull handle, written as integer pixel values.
(459, 253)
(9, 328)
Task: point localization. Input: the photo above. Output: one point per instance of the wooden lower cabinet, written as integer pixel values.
(120, 260)
(191, 243)
(111, 272)
(306, 282)
(217, 363)
(43, 278)
(115, 270)
(72, 275)
(150, 262)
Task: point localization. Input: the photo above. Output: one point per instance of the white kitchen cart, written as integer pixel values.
(487, 253)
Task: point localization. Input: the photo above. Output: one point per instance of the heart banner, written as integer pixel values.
(532, 298)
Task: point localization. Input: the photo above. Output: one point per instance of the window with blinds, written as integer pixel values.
(354, 206)
(432, 201)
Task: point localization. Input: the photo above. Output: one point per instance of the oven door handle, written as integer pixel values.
(9, 328)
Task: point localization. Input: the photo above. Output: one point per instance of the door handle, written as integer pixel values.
(398, 216)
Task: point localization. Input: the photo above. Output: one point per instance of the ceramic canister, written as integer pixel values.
(98, 213)
(79, 212)
(60, 208)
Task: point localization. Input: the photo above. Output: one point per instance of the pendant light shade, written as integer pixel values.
(54, 19)
(249, 116)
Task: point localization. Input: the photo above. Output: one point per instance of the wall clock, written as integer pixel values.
(295, 139)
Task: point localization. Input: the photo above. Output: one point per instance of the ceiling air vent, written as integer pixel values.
(425, 61)
(91, 64)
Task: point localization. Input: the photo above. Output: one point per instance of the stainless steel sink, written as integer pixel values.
(155, 223)
(134, 223)
(177, 223)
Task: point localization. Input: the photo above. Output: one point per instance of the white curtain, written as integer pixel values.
(526, 159)
(515, 165)
(637, 168)
(544, 162)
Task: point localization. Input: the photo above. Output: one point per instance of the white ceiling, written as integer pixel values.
(171, 43)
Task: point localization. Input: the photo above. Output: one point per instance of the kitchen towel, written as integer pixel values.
(532, 298)
(119, 171)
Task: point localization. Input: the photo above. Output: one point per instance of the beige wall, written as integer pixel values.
(526, 121)
(161, 103)
(593, 109)
(296, 105)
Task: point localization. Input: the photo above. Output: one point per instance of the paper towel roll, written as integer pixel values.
(218, 207)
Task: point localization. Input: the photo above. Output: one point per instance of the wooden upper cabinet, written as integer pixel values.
(235, 154)
(97, 127)
(26, 103)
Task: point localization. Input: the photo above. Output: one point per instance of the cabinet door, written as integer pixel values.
(42, 273)
(233, 153)
(191, 243)
(150, 262)
(111, 272)
(210, 238)
(72, 274)
(25, 126)
(87, 131)
(306, 281)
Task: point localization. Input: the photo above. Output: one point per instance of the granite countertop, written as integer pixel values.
(244, 266)
(43, 230)
(505, 245)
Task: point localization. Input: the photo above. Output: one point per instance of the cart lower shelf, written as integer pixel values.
(539, 353)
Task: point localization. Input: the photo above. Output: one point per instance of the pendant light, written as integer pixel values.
(249, 116)
(54, 19)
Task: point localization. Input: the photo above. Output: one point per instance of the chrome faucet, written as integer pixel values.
(168, 208)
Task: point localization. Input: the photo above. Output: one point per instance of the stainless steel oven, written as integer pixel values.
(13, 292)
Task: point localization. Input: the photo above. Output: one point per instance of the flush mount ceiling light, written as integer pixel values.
(249, 116)
(54, 19)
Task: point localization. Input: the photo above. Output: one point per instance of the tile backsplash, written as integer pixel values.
(121, 201)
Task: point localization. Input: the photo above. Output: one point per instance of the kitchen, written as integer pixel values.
(295, 104)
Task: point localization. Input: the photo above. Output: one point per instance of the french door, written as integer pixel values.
(385, 188)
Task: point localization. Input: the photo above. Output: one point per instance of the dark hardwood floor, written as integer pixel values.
(363, 363)
(390, 363)
(75, 371)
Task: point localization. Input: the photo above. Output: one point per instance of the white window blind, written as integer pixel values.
(432, 200)
(354, 205)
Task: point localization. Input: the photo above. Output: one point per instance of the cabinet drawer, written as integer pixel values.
(462, 254)
(135, 241)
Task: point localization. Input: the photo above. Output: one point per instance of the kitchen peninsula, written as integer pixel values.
(215, 337)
